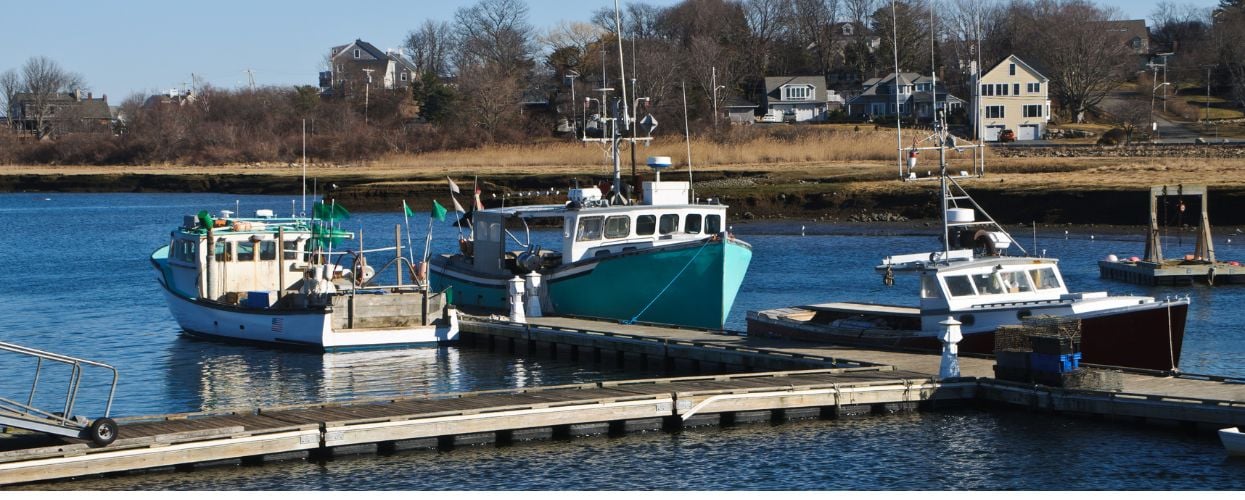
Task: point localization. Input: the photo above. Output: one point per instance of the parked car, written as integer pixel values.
(1007, 135)
(773, 116)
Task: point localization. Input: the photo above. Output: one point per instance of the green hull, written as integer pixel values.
(691, 285)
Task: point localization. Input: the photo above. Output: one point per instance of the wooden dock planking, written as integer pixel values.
(847, 379)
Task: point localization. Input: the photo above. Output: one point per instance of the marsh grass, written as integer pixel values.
(738, 146)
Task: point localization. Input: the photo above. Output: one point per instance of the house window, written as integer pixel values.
(800, 93)
(356, 53)
(994, 111)
(1035, 88)
(1033, 111)
(1016, 88)
(987, 90)
(1011, 69)
(404, 76)
(1000, 89)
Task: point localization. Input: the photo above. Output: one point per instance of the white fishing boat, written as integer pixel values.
(295, 283)
(973, 280)
(1233, 440)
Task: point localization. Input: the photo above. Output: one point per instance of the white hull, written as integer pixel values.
(1233, 440)
(311, 329)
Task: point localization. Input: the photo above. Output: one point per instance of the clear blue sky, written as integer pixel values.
(146, 46)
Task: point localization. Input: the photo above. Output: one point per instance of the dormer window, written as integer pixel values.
(797, 92)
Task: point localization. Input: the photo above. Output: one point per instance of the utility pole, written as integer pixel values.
(367, 89)
(714, 80)
(250, 78)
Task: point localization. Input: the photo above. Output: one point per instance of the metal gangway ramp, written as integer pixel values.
(101, 431)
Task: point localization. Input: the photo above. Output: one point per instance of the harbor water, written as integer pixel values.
(75, 279)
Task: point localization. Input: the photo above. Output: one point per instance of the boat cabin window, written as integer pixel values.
(929, 287)
(713, 224)
(1015, 281)
(959, 286)
(246, 250)
(986, 284)
(268, 250)
(691, 224)
(1044, 278)
(669, 224)
(589, 229)
(222, 251)
(645, 225)
(184, 250)
(291, 250)
(618, 226)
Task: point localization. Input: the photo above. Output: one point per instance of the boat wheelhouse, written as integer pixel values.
(278, 281)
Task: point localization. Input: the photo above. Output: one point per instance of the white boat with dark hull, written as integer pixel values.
(270, 281)
(970, 279)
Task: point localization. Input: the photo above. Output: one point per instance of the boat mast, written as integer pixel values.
(623, 115)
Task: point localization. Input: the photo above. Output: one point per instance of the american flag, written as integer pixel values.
(277, 324)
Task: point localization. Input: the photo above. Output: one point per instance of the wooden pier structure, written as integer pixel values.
(780, 380)
(1197, 267)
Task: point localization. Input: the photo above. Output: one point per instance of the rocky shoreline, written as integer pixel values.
(750, 197)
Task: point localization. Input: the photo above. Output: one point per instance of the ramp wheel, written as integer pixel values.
(103, 431)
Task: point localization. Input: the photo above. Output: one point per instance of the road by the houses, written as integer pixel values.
(1169, 131)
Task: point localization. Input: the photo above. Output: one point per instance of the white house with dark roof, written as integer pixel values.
(351, 66)
(799, 98)
(1013, 96)
(908, 94)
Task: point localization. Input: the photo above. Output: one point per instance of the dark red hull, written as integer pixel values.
(1135, 339)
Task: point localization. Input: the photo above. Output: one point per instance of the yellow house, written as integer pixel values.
(1012, 96)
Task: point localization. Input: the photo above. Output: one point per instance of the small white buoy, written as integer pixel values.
(1091, 236)
(1065, 234)
(1113, 258)
(802, 231)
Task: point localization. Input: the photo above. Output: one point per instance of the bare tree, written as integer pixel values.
(10, 85)
(765, 24)
(495, 32)
(1230, 23)
(1130, 113)
(1069, 39)
(906, 27)
(430, 47)
(41, 80)
(811, 22)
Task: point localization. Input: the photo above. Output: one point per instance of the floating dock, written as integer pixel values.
(1172, 272)
(797, 380)
(1197, 267)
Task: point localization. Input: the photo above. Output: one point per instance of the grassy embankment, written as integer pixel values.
(772, 170)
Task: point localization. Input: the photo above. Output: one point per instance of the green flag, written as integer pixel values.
(333, 212)
(407, 209)
(438, 211)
